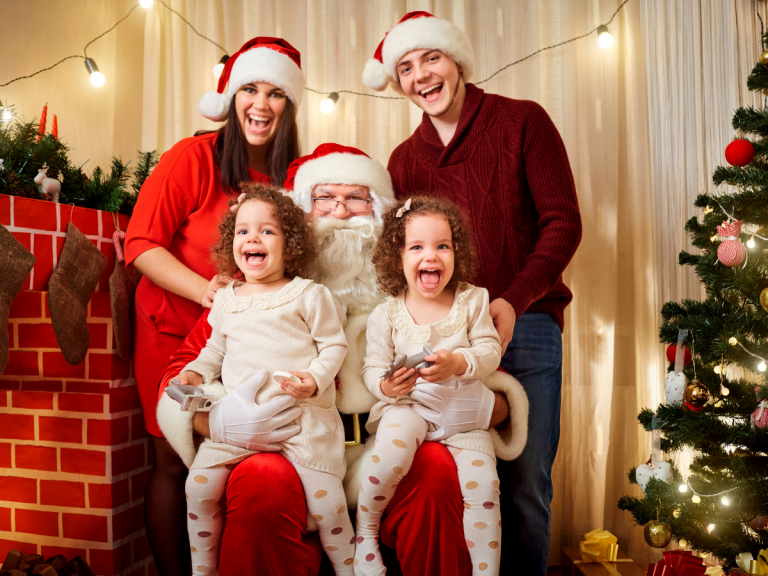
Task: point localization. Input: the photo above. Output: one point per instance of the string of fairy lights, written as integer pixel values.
(604, 40)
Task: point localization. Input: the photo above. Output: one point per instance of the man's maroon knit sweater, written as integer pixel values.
(507, 169)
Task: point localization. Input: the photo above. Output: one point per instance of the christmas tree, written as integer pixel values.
(25, 149)
(719, 408)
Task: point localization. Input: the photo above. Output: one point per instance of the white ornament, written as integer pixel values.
(48, 185)
(674, 387)
(644, 473)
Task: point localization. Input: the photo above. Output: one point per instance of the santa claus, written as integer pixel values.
(267, 530)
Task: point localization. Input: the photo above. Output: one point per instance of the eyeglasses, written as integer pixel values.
(352, 205)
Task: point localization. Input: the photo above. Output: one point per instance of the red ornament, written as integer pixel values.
(672, 350)
(759, 418)
(739, 152)
(759, 523)
(731, 252)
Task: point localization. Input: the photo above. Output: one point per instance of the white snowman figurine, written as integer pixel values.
(48, 185)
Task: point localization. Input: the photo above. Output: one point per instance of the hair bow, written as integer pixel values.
(404, 209)
(239, 201)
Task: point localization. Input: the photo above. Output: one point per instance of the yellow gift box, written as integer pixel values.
(758, 567)
(599, 546)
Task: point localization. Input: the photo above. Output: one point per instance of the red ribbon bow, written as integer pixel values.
(678, 563)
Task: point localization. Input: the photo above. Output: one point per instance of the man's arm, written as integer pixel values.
(552, 188)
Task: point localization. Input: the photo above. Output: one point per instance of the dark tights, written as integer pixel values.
(165, 511)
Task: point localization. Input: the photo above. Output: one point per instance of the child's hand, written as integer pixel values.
(190, 378)
(300, 390)
(400, 382)
(210, 290)
(446, 364)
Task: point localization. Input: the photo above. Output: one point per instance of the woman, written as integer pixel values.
(171, 232)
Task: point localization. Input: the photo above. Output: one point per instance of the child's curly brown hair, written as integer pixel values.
(299, 249)
(387, 257)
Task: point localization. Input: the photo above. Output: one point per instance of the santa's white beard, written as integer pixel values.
(344, 265)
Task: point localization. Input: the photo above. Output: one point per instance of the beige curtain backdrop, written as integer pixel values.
(644, 123)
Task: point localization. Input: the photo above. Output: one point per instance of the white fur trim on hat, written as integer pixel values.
(428, 34)
(344, 168)
(255, 65)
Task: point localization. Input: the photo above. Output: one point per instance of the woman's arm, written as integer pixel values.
(165, 270)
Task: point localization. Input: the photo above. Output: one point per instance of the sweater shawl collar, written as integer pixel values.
(435, 152)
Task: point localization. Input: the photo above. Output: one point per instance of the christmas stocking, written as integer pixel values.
(69, 291)
(122, 287)
(15, 264)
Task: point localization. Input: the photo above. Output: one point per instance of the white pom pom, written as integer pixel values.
(214, 106)
(375, 75)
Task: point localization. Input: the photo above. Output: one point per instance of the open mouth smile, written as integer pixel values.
(258, 124)
(430, 278)
(254, 258)
(432, 93)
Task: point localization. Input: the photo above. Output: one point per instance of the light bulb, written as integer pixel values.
(327, 105)
(683, 488)
(696, 499)
(146, 3)
(761, 366)
(718, 369)
(219, 67)
(683, 542)
(708, 210)
(725, 501)
(7, 115)
(710, 528)
(604, 38)
(724, 391)
(751, 242)
(97, 78)
(732, 341)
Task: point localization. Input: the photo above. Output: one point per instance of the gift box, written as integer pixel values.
(573, 565)
(678, 563)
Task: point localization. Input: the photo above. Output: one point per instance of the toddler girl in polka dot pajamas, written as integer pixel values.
(422, 260)
(273, 321)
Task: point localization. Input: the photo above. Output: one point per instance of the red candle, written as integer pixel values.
(55, 127)
(43, 117)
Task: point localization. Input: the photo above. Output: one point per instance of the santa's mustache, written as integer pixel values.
(344, 261)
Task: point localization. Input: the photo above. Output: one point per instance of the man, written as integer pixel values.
(504, 163)
(345, 193)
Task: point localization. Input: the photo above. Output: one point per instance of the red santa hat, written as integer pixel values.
(336, 164)
(417, 30)
(262, 59)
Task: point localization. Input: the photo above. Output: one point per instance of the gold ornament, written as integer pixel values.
(764, 299)
(764, 57)
(657, 534)
(696, 395)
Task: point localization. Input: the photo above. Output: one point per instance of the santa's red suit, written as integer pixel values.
(267, 530)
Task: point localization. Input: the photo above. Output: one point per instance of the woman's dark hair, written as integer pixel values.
(233, 154)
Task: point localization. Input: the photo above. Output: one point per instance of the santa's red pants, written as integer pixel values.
(266, 520)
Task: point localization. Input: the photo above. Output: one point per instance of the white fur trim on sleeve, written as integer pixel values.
(176, 425)
(353, 397)
(510, 441)
(428, 33)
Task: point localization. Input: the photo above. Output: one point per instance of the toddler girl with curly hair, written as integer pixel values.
(272, 320)
(424, 261)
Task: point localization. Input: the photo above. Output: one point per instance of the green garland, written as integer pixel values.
(23, 153)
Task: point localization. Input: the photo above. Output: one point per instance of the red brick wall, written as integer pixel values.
(74, 455)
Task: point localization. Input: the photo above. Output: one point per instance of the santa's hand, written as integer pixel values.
(237, 420)
(454, 410)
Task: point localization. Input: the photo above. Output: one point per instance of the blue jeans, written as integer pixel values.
(535, 358)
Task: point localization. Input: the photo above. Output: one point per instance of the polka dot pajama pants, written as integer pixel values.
(400, 433)
(326, 503)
